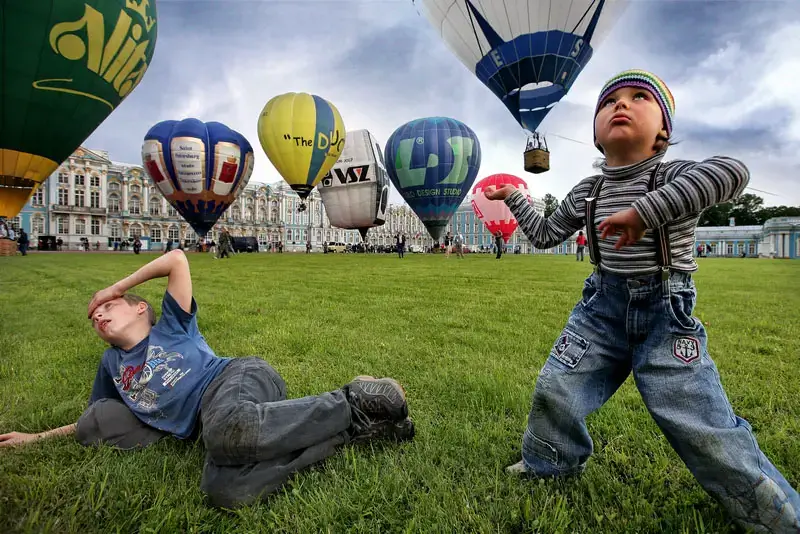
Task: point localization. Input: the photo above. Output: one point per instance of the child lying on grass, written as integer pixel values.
(161, 378)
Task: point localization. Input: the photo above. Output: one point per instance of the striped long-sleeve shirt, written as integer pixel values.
(685, 189)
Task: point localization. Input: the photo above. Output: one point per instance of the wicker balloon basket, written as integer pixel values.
(537, 160)
(8, 247)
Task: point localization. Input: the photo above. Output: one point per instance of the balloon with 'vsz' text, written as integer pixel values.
(355, 192)
(433, 162)
(66, 65)
(198, 167)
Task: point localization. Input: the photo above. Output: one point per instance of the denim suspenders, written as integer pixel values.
(660, 235)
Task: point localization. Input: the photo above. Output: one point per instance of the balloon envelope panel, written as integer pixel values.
(198, 167)
(355, 191)
(528, 52)
(303, 135)
(433, 163)
(66, 65)
(495, 214)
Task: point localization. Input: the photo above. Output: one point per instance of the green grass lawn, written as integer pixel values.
(466, 338)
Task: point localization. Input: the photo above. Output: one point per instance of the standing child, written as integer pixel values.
(636, 310)
(161, 378)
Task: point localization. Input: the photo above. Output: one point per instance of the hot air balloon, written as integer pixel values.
(67, 64)
(496, 215)
(433, 162)
(303, 136)
(198, 167)
(528, 52)
(355, 191)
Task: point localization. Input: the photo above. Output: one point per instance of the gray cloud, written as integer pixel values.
(383, 65)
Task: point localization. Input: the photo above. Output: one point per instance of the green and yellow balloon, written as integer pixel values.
(66, 65)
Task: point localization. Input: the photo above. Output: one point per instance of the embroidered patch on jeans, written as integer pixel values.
(686, 349)
(562, 345)
(569, 349)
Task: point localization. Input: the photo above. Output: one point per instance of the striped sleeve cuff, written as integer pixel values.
(648, 210)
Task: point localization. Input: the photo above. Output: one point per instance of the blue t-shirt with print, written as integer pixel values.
(162, 379)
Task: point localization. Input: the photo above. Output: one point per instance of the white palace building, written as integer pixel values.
(92, 197)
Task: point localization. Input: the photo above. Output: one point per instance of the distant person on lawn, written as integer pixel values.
(635, 314)
(160, 378)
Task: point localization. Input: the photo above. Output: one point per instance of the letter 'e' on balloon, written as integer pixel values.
(302, 135)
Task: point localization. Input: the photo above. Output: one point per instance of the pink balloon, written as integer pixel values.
(494, 213)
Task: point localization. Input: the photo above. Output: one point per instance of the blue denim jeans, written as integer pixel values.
(645, 325)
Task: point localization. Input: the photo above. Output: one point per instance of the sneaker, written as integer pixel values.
(518, 468)
(383, 430)
(378, 398)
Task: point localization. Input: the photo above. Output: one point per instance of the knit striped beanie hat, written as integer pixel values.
(644, 80)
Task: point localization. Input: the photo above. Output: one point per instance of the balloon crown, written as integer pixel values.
(140, 7)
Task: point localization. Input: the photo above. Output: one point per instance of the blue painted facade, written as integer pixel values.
(778, 237)
(36, 209)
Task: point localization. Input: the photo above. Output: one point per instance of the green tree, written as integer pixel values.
(745, 209)
(716, 215)
(550, 204)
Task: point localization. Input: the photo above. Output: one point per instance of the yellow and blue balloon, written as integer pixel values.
(303, 135)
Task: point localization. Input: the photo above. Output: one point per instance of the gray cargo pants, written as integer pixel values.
(255, 438)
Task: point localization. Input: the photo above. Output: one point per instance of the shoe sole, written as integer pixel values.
(404, 411)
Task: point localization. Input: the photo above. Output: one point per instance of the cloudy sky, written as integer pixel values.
(733, 67)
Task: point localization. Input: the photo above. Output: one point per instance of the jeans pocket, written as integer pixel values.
(569, 349)
(680, 305)
(589, 294)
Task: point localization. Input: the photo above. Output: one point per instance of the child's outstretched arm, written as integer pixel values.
(13, 439)
(173, 265)
(542, 232)
(692, 187)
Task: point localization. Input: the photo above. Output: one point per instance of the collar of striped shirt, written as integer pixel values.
(635, 169)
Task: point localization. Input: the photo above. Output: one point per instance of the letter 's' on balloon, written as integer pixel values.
(355, 191)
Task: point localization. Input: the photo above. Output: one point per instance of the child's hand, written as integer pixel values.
(626, 221)
(13, 439)
(103, 296)
(492, 193)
